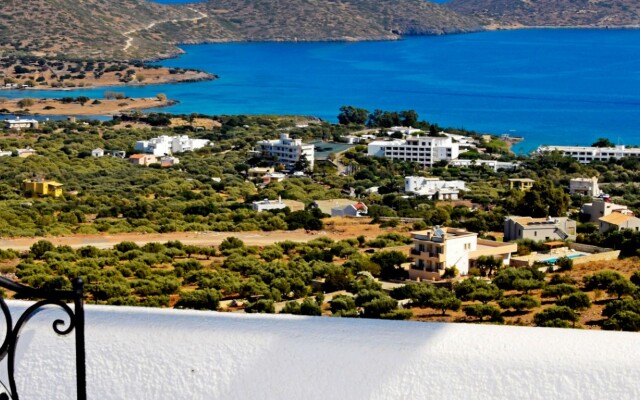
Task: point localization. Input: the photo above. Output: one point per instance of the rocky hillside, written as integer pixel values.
(125, 29)
(80, 28)
(557, 13)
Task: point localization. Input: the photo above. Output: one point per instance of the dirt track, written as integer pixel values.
(192, 238)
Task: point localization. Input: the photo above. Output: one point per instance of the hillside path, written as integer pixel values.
(129, 34)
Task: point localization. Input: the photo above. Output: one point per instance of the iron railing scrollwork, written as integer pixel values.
(58, 298)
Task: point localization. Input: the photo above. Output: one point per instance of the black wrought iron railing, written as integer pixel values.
(44, 298)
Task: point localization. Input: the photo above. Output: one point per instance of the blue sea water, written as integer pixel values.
(552, 86)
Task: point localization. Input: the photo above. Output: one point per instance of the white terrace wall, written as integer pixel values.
(135, 353)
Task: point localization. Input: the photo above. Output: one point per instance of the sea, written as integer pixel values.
(550, 86)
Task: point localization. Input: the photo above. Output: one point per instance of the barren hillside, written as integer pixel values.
(557, 13)
(126, 29)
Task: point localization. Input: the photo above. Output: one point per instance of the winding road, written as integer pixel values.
(129, 34)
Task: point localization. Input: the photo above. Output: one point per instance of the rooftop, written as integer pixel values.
(616, 218)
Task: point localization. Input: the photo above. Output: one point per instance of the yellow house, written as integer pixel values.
(39, 187)
(522, 184)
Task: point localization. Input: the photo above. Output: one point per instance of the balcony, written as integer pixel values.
(163, 354)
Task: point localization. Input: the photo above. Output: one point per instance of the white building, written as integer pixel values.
(97, 152)
(537, 229)
(439, 248)
(21, 124)
(585, 186)
(493, 164)
(425, 150)
(600, 208)
(5, 153)
(267, 205)
(405, 130)
(287, 151)
(169, 161)
(586, 154)
(167, 145)
(443, 190)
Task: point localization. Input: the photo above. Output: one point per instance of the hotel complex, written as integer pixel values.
(425, 150)
(585, 154)
(287, 151)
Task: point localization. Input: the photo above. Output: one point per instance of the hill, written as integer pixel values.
(554, 13)
(126, 29)
(81, 28)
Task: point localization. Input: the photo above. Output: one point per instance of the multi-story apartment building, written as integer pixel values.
(287, 151)
(586, 154)
(439, 248)
(425, 150)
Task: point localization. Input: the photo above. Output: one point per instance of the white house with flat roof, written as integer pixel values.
(561, 228)
(443, 190)
(601, 208)
(585, 186)
(287, 151)
(424, 150)
(168, 145)
(18, 124)
(439, 248)
(587, 154)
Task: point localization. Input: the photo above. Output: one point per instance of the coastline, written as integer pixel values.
(55, 107)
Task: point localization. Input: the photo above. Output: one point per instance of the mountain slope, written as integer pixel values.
(557, 13)
(334, 20)
(126, 29)
(79, 28)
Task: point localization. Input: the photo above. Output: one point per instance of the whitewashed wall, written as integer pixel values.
(136, 353)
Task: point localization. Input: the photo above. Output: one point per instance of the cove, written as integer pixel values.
(552, 86)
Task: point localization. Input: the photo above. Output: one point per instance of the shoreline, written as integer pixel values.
(105, 107)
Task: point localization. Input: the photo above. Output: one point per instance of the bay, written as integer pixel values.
(552, 86)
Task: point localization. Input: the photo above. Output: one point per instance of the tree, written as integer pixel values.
(352, 115)
(519, 303)
(481, 311)
(161, 97)
(623, 321)
(486, 294)
(27, 102)
(621, 287)
(390, 264)
(231, 243)
(505, 279)
(603, 142)
(206, 299)
(40, 247)
(564, 264)
(444, 299)
(556, 316)
(262, 306)
(487, 264)
(558, 291)
(527, 285)
(409, 118)
(576, 301)
(343, 305)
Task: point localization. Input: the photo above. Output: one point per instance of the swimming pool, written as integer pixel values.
(554, 259)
